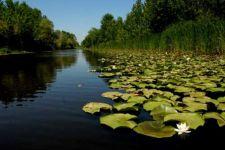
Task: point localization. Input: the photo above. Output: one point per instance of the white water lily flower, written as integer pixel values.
(114, 67)
(182, 128)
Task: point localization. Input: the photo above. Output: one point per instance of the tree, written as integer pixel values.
(134, 22)
(44, 35)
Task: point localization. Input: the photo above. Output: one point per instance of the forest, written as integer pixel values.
(23, 28)
(186, 25)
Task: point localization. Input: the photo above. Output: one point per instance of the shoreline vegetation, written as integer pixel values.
(164, 25)
(23, 28)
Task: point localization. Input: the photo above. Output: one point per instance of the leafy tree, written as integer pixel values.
(134, 22)
(23, 27)
(65, 40)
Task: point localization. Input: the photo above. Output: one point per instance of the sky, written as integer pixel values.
(79, 16)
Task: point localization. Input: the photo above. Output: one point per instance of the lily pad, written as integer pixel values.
(149, 106)
(116, 85)
(137, 99)
(95, 107)
(216, 90)
(112, 95)
(217, 116)
(155, 129)
(193, 106)
(194, 120)
(183, 89)
(106, 75)
(197, 94)
(119, 120)
(159, 112)
(221, 99)
(125, 107)
(221, 106)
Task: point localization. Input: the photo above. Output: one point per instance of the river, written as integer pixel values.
(41, 99)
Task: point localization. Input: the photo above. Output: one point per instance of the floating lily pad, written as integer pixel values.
(159, 112)
(221, 106)
(137, 99)
(116, 85)
(183, 89)
(106, 75)
(119, 121)
(221, 99)
(193, 106)
(203, 100)
(125, 107)
(197, 94)
(155, 129)
(149, 106)
(216, 90)
(95, 107)
(217, 116)
(112, 95)
(194, 120)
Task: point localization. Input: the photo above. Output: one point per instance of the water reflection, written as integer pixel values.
(93, 58)
(21, 76)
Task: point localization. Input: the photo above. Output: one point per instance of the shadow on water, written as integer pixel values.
(22, 76)
(54, 120)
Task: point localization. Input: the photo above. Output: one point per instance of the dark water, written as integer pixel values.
(41, 97)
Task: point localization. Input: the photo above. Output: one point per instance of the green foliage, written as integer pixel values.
(65, 40)
(23, 27)
(196, 25)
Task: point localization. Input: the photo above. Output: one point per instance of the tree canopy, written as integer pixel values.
(26, 28)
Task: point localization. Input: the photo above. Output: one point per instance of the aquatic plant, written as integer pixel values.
(179, 92)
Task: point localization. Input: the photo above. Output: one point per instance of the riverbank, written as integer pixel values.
(6, 52)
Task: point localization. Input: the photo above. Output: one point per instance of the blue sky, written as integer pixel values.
(79, 16)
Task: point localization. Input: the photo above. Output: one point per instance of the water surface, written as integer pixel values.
(41, 96)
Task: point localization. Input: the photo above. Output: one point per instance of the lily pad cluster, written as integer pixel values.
(171, 88)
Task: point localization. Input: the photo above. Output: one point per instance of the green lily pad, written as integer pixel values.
(116, 85)
(203, 100)
(221, 99)
(193, 106)
(216, 90)
(159, 112)
(106, 75)
(168, 94)
(112, 95)
(148, 93)
(95, 107)
(183, 89)
(197, 94)
(149, 106)
(125, 107)
(137, 99)
(221, 106)
(155, 129)
(175, 97)
(217, 116)
(194, 120)
(119, 120)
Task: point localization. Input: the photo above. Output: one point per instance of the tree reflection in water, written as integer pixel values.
(22, 76)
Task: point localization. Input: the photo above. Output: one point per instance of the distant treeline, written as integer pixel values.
(195, 25)
(25, 28)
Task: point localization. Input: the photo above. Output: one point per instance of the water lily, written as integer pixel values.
(182, 128)
(188, 58)
(114, 67)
